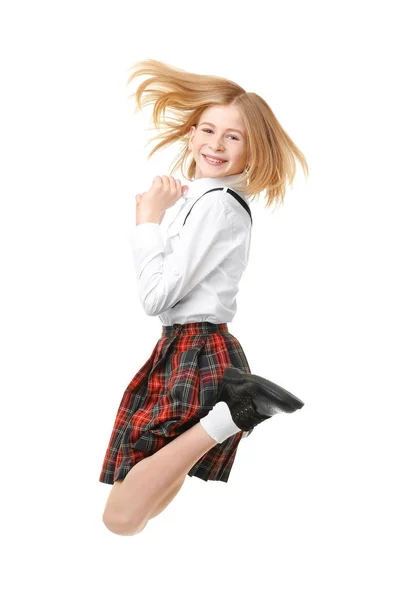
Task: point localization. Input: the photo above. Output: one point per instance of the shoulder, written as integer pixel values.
(214, 209)
(234, 206)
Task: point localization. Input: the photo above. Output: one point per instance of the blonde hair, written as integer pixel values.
(271, 154)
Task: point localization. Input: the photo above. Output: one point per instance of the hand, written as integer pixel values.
(164, 193)
(142, 216)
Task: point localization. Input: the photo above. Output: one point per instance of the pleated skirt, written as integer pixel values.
(173, 390)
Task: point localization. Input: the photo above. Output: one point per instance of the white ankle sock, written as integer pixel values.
(218, 423)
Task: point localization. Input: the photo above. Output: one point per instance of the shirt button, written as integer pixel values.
(176, 272)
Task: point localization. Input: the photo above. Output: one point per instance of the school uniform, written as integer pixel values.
(188, 271)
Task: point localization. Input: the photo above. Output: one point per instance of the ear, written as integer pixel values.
(192, 132)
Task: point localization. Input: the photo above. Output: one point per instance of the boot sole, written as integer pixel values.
(234, 375)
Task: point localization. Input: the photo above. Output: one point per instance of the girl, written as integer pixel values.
(190, 404)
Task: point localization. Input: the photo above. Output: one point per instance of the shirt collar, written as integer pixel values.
(197, 187)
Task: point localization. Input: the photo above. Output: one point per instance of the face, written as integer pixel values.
(220, 133)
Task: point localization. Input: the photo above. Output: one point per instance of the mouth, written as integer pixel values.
(213, 162)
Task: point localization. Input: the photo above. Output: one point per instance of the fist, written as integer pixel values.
(164, 193)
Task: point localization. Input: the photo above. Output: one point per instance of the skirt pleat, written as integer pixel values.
(173, 390)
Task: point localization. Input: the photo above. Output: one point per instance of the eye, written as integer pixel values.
(229, 135)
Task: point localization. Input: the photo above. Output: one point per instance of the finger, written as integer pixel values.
(178, 187)
(167, 181)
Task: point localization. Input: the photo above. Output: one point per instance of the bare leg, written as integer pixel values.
(134, 500)
(164, 502)
(159, 506)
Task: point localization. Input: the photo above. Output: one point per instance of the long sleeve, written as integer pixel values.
(207, 238)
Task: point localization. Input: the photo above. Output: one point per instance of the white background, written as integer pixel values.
(317, 502)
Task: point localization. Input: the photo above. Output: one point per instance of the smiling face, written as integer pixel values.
(219, 133)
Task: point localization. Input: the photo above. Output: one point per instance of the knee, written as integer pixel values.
(121, 524)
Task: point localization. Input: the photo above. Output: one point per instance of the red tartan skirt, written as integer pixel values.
(173, 390)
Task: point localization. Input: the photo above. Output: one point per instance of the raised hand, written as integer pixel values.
(164, 193)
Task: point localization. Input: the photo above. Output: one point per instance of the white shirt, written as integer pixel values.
(192, 273)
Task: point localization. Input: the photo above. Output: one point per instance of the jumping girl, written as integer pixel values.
(188, 407)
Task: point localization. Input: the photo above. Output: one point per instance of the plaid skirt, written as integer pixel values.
(173, 390)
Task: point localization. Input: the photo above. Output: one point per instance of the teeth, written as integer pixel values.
(213, 160)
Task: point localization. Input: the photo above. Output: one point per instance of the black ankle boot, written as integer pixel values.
(253, 399)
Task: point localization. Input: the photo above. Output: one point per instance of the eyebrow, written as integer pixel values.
(229, 129)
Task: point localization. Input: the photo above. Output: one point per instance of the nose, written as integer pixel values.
(217, 142)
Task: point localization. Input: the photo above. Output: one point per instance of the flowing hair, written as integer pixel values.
(179, 98)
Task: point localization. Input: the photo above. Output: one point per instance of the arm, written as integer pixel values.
(149, 217)
(202, 244)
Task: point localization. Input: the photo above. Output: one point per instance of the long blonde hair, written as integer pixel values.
(271, 154)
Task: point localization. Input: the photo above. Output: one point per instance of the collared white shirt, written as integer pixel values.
(192, 273)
